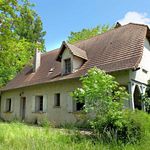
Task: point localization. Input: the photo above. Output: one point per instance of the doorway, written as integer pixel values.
(22, 107)
(137, 98)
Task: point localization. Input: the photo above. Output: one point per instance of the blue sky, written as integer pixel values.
(60, 17)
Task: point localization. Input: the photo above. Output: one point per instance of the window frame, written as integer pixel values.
(57, 100)
(8, 105)
(67, 66)
(39, 102)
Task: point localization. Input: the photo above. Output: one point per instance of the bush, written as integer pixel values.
(125, 129)
(104, 99)
(134, 128)
(44, 122)
(146, 101)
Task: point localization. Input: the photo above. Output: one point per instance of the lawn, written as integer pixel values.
(19, 136)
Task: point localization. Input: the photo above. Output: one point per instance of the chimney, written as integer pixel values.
(37, 60)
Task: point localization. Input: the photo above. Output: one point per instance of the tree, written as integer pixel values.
(21, 21)
(20, 29)
(103, 99)
(13, 58)
(87, 33)
(29, 25)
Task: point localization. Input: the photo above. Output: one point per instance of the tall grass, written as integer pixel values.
(19, 136)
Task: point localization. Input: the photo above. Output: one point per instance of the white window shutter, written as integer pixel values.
(69, 103)
(33, 103)
(45, 103)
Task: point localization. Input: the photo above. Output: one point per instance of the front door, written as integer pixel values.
(22, 107)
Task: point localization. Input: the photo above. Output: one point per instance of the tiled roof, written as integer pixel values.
(117, 49)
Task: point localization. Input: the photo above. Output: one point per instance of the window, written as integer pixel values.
(67, 65)
(39, 103)
(57, 100)
(8, 105)
(79, 106)
(145, 71)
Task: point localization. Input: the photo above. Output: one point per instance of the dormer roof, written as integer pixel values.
(73, 49)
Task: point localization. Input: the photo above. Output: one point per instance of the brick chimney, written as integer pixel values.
(37, 60)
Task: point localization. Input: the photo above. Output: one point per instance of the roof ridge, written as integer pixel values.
(51, 51)
(74, 46)
(139, 24)
(100, 34)
(78, 42)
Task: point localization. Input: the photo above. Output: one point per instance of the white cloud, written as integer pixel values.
(135, 17)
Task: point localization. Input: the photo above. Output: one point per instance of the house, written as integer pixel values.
(43, 90)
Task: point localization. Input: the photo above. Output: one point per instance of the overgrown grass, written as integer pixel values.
(19, 136)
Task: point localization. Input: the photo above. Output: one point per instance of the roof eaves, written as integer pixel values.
(61, 79)
(142, 50)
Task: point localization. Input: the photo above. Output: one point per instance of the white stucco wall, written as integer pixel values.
(141, 75)
(77, 63)
(122, 77)
(59, 115)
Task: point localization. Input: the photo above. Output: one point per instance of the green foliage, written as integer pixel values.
(101, 93)
(104, 104)
(13, 58)
(146, 101)
(20, 29)
(29, 25)
(15, 135)
(145, 98)
(87, 33)
(129, 130)
(19, 21)
(46, 123)
(140, 120)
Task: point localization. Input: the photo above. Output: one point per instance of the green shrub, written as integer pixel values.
(104, 99)
(146, 101)
(135, 125)
(46, 123)
(17, 136)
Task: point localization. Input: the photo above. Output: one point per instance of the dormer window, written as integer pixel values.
(67, 65)
(71, 57)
